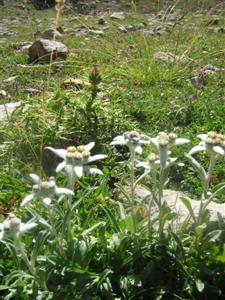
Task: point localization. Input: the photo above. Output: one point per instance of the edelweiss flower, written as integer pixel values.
(45, 190)
(212, 142)
(153, 162)
(13, 226)
(163, 142)
(133, 140)
(76, 160)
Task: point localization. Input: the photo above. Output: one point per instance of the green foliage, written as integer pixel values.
(97, 245)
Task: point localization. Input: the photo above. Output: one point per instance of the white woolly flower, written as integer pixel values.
(133, 140)
(76, 160)
(163, 142)
(212, 142)
(45, 190)
(14, 227)
(152, 162)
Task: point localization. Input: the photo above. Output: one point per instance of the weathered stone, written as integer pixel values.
(43, 49)
(7, 109)
(118, 15)
(169, 57)
(101, 21)
(96, 32)
(12, 80)
(173, 200)
(52, 33)
(75, 83)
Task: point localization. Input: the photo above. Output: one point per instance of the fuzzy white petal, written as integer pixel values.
(144, 142)
(27, 199)
(138, 149)
(47, 201)
(196, 149)
(202, 136)
(64, 191)
(35, 178)
(119, 141)
(95, 171)
(154, 141)
(89, 146)
(119, 137)
(144, 165)
(79, 171)
(60, 166)
(181, 141)
(96, 157)
(59, 152)
(219, 150)
(69, 170)
(26, 227)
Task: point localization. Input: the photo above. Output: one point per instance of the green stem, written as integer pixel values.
(132, 179)
(58, 240)
(209, 174)
(21, 249)
(161, 185)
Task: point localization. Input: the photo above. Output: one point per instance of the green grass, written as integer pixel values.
(147, 94)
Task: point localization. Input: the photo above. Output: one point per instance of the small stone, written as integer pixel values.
(169, 57)
(51, 34)
(96, 32)
(41, 50)
(101, 21)
(12, 79)
(7, 109)
(75, 83)
(118, 15)
(122, 28)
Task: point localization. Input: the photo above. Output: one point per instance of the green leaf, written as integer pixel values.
(187, 204)
(111, 218)
(213, 235)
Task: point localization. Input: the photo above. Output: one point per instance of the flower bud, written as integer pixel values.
(78, 156)
(172, 136)
(86, 154)
(71, 149)
(163, 142)
(212, 134)
(152, 157)
(81, 148)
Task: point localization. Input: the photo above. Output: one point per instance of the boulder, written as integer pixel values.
(173, 200)
(41, 50)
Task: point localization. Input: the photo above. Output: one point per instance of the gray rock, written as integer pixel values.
(96, 32)
(7, 109)
(52, 33)
(172, 198)
(41, 50)
(169, 57)
(118, 15)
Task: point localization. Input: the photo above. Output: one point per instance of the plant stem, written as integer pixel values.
(21, 249)
(132, 179)
(58, 240)
(209, 174)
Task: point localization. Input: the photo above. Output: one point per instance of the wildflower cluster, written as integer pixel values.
(212, 142)
(133, 140)
(76, 160)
